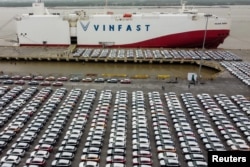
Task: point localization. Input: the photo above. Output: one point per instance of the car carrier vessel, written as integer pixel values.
(186, 28)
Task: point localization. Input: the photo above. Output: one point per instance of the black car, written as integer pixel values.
(5, 137)
(50, 135)
(8, 82)
(89, 150)
(72, 142)
(21, 145)
(1, 123)
(3, 144)
(9, 132)
(4, 76)
(50, 141)
(25, 139)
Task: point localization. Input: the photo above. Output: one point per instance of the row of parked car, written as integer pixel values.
(67, 148)
(8, 96)
(165, 144)
(240, 119)
(243, 103)
(239, 69)
(32, 80)
(34, 83)
(53, 81)
(50, 138)
(156, 54)
(23, 143)
(79, 122)
(42, 151)
(232, 137)
(190, 147)
(32, 77)
(224, 114)
(141, 146)
(92, 149)
(116, 153)
(201, 122)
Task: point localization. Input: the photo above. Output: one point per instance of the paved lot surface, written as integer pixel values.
(225, 83)
(229, 86)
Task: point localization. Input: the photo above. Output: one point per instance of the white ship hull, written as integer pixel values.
(184, 29)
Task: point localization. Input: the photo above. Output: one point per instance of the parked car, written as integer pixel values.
(61, 162)
(13, 159)
(99, 80)
(36, 161)
(125, 81)
(57, 84)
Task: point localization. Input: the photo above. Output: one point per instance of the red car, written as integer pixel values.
(45, 147)
(125, 81)
(39, 78)
(45, 83)
(116, 158)
(16, 77)
(142, 161)
(57, 84)
(36, 161)
(19, 82)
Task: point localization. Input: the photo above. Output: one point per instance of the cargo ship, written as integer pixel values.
(186, 28)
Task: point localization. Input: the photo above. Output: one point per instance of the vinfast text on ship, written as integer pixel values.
(113, 27)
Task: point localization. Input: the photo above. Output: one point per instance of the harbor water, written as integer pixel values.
(77, 68)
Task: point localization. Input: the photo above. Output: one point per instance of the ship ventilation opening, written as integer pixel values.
(45, 45)
(73, 40)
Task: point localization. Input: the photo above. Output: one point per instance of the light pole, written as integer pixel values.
(204, 42)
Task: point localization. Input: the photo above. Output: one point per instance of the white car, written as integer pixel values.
(74, 131)
(11, 159)
(88, 163)
(242, 147)
(20, 124)
(233, 141)
(40, 154)
(168, 155)
(17, 152)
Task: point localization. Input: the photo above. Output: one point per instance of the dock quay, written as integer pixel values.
(116, 55)
(212, 58)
